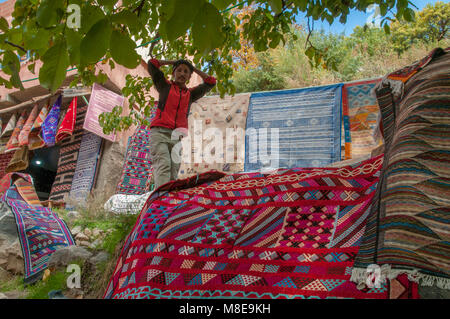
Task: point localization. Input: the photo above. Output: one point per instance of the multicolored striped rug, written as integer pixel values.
(85, 171)
(408, 230)
(68, 156)
(137, 168)
(291, 234)
(41, 232)
(309, 125)
(360, 103)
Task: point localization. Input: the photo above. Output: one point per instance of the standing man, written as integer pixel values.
(174, 103)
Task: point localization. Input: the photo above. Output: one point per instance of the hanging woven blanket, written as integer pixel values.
(211, 120)
(86, 169)
(24, 186)
(5, 159)
(290, 234)
(303, 126)
(9, 128)
(41, 232)
(34, 139)
(13, 143)
(25, 132)
(363, 132)
(68, 122)
(408, 230)
(68, 156)
(50, 124)
(137, 169)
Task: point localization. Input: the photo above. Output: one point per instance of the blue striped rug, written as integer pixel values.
(309, 124)
(85, 171)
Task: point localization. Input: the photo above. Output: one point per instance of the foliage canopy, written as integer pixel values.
(206, 30)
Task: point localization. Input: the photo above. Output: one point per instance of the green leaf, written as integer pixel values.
(222, 4)
(409, 14)
(4, 26)
(387, 29)
(53, 72)
(276, 5)
(123, 51)
(10, 62)
(126, 18)
(47, 13)
(182, 17)
(34, 40)
(96, 42)
(90, 15)
(73, 46)
(107, 3)
(206, 31)
(310, 52)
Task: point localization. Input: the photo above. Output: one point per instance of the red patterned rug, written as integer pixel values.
(290, 234)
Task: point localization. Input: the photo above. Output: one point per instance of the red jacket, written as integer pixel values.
(174, 102)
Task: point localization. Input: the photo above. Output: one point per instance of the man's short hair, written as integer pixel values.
(185, 62)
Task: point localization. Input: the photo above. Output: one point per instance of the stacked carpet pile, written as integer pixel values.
(408, 230)
(290, 234)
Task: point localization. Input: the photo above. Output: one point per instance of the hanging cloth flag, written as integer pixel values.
(34, 140)
(24, 134)
(50, 124)
(10, 126)
(68, 123)
(13, 143)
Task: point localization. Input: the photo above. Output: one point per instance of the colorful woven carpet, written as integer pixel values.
(9, 128)
(363, 112)
(293, 234)
(68, 156)
(409, 227)
(13, 143)
(41, 232)
(221, 114)
(50, 124)
(68, 122)
(34, 139)
(5, 159)
(25, 132)
(137, 169)
(85, 171)
(27, 191)
(309, 124)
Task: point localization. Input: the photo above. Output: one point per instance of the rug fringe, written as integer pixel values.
(359, 276)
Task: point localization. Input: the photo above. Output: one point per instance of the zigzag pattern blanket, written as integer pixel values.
(41, 231)
(408, 227)
(290, 234)
(137, 169)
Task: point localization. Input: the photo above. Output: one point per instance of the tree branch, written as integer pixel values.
(139, 7)
(16, 46)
